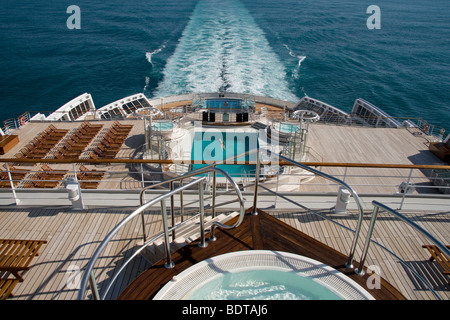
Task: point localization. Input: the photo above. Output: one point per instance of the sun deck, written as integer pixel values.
(337, 150)
(337, 146)
(73, 236)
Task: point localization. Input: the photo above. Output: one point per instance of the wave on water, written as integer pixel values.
(295, 74)
(149, 55)
(223, 49)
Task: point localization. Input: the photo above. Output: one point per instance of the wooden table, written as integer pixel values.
(7, 142)
(15, 256)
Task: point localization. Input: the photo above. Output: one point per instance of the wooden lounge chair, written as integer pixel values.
(93, 155)
(16, 175)
(6, 288)
(47, 168)
(441, 258)
(56, 131)
(121, 125)
(15, 257)
(88, 184)
(92, 173)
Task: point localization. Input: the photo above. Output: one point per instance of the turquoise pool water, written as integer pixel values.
(287, 127)
(163, 125)
(224, 104)
(262, 285)
(213, 146)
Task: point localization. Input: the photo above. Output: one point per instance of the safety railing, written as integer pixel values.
(400, 181)
(378, 206)
(343, 184)
(89, 276)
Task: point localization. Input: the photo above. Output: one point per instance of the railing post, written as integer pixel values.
(169, 264)
(181, 202)
(360, 270)
(93, 285)
(345, 174)
(172, 210)
(213, 204)
(144, 233)
(12, 184)
(257, 172)
(142, 176)
(406, 190)
(202, 243)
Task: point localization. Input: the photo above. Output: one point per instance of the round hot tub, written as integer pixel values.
(261, 275)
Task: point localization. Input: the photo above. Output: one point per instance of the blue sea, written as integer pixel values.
(284, 49)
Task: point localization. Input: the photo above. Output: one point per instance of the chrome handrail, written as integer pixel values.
(209, 168)
(358, 201)
(88, 274)
(377, 206)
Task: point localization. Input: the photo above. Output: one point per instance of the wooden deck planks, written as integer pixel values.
(73, 237)
(333, 143)
(391, 233)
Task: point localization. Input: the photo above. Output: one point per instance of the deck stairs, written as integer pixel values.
(187, 233)
(259, 125)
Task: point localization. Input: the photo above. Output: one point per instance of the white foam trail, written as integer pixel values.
(301, 58)
(147, 82)
(295, 73)
(292, 54)
(149, 55)
(222, 48)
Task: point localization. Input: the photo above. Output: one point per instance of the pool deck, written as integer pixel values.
(74, 235)
(261, 232)
(326, 143)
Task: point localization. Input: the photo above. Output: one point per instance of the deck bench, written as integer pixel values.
(15, 257)
(441, 258)
(6, 287)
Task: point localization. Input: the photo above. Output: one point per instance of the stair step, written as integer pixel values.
(184, 235)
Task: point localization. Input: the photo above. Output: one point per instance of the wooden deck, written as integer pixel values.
(261, 232)
(117, 175)
(73, 236)
(326, 143)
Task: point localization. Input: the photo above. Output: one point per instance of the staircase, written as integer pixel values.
(259, 125)
(155, 251)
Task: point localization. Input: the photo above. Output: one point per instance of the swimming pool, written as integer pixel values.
(213, 145)
(262, 274)
(262, 285)
(287, 127)
(163, 125)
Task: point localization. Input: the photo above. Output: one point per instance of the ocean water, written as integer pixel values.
(284, 49)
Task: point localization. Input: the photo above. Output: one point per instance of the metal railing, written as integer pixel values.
(358, 201)
(89, 276)
(377, 206)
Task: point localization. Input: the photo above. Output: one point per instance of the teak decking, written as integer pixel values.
(260, 232)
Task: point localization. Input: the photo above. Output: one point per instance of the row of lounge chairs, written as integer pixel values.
(45, 178)
(112, 141)
(16, 175)
(48, 177)
(42, 143)
(89, 179)
(74, 145)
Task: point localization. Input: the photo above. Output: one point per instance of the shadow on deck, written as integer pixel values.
(260, 232)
